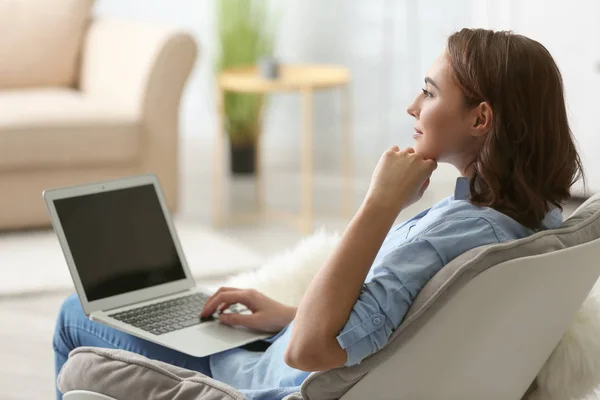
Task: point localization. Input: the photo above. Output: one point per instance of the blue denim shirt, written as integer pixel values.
(411, 254)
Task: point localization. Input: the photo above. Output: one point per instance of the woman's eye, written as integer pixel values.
(426, 93)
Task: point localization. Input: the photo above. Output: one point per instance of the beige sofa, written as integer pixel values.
(83, 100)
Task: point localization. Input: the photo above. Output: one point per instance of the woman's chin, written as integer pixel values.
(424, 150)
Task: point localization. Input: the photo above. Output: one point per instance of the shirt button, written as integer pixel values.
(376, 320)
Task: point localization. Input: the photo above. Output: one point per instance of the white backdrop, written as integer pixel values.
(388, 45)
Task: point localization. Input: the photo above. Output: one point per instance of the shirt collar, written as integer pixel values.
(553, 219)
(462, 190)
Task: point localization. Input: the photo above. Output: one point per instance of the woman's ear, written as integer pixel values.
(483, 118)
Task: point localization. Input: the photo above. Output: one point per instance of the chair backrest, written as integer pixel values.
(485, 324)
(491, 339)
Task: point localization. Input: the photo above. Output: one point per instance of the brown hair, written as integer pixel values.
(528, 161)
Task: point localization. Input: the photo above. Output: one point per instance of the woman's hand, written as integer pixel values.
(267, 315)
(400, 179)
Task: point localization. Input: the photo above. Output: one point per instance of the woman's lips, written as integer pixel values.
(417, 134)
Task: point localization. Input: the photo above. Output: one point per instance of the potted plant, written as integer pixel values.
(245, 35)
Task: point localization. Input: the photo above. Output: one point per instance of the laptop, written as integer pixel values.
(129, 269)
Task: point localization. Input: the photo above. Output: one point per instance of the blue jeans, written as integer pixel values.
(74, 329)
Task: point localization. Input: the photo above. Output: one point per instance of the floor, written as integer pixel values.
(26, 370)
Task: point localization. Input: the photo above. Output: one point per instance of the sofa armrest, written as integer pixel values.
(142, 69)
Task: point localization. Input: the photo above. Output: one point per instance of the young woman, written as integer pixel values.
(493, 107)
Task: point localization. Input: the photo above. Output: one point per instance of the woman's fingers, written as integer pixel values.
(220, 297)
(219, 291)
(238, 319)
(224, 306)
(431, 164)
(244, 296)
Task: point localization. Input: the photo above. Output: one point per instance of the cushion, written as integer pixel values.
(135, 377)
(53, 127)
(40, 41)
(582, 227)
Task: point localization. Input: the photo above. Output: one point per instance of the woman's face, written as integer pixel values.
(443, 123)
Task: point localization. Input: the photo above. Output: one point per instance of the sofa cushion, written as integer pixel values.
(124, 375)
(54, 127)
(40, 41)
(582, 227)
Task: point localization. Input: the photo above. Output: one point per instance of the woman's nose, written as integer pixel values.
(413, 109)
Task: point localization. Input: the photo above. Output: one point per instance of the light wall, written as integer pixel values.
(388, 46)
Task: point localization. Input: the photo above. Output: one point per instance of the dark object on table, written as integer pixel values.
(268, 67)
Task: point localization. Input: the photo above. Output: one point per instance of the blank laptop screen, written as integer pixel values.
(119, 240)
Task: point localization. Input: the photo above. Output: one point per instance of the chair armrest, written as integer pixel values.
(85, 395)
(141, 68)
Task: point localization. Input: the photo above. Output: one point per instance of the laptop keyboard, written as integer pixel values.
(168, 316)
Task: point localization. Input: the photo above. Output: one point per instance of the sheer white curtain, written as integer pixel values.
(388, 46)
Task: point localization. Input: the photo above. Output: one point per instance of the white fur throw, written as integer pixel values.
(285, 276)
(571, 372)
(573, 369)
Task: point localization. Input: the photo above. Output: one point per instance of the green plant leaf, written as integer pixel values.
(246, 32)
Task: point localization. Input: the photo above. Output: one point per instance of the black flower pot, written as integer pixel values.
(243, 159)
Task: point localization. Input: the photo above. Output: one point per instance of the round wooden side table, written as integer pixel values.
(304, 79)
